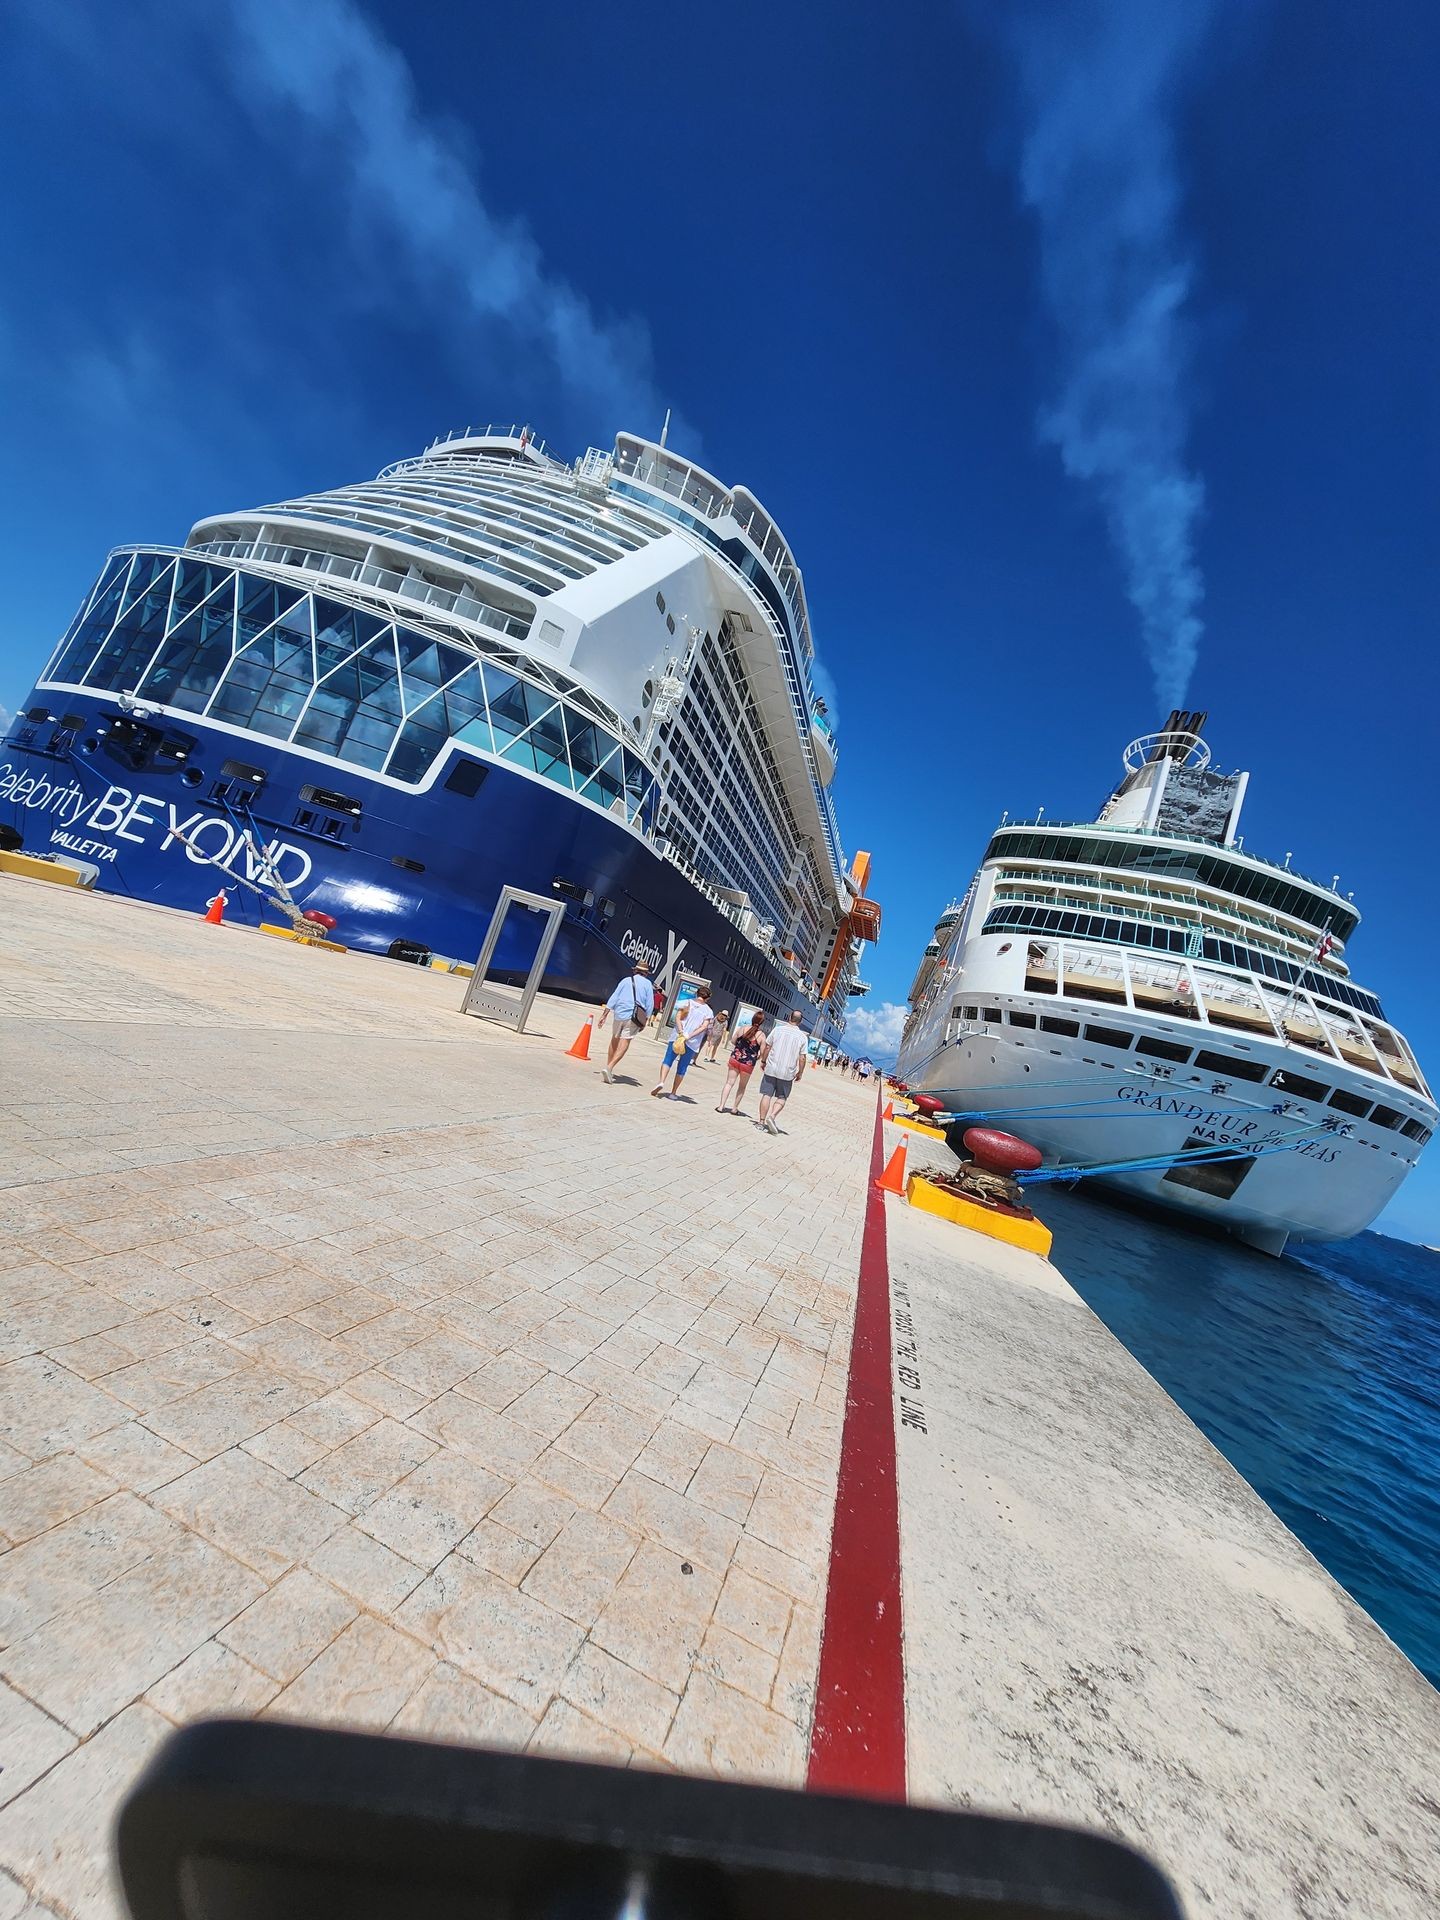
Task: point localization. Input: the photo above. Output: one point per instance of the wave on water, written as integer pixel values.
(1316, 1375)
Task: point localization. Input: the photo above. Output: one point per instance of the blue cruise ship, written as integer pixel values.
(380, 704)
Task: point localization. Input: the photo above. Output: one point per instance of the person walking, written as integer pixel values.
(782, 1063)
(691, 1026)
(630, 1005)
(718, 1033)
(743, 1056)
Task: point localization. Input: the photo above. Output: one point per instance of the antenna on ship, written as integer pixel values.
(665, 430)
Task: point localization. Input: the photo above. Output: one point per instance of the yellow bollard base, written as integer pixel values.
(919, 1126)
(1031, 1234)
(302, 939)
(27, 867)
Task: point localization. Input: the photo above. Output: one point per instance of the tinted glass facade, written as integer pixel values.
(1138, 933)
(207, 638)
(1208, 867)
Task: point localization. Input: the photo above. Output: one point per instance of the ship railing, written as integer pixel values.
(733, 913)
(1166, 833)
(1178, 895)
(1290, 946)
(677, 480)
(339, 566)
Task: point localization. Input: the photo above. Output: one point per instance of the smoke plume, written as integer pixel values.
(412, 178)
(1100, 82)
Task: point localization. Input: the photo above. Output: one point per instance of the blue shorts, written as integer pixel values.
(680, 1061)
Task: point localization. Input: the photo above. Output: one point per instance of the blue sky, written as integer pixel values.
(1066, 342)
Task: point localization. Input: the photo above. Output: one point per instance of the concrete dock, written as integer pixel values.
(364, 1363)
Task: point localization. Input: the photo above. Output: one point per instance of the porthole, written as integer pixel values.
(89, 746)
(192, 776)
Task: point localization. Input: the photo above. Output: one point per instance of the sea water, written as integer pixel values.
(1317, 1376)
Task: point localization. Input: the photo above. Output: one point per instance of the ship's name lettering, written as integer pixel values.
(1232, 1123)
(208, 839)
(1225, 1129)
(635, 947)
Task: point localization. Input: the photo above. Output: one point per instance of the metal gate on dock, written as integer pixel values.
(491, 999)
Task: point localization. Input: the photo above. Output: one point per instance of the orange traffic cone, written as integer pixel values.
(889, 1113)
(580, 1050)
(215, 914)
(892, 1180)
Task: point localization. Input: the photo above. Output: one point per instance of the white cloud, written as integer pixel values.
(875, 1030)
(408, 181)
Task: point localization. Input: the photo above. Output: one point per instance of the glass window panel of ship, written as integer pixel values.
(135, 626)
(1211, 869)
(770, 820)
(481, 537)
(538, 504)
(1261, 925)
(761, 833)
(82, 639)
(750, 764)
(720, 673)
(384, 534)
(395, 527)
(557, 520)
(706, 742)
(686, 757)
(546, 521)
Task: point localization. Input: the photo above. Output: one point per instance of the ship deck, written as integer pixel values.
(363, 1363)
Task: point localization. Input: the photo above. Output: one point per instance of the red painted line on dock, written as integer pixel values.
(857, 1740)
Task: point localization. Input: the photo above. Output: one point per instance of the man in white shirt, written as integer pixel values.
(631, 1004)
(692, 1024)
(782, 1063)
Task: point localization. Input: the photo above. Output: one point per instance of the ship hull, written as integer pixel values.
(1293, 1170)
(423, 866)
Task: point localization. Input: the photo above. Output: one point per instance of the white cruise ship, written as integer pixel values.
(486, 666)
(1153, 1006)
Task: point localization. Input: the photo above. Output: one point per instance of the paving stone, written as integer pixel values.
(68, 1563)
(476, 1392)
(675, 1520)
(431, 1510)
(43, 1496)
(88, 1662)
(534, 1513)
(760, 1613)
(565, 1730)
(656, 1618)
(221, 1416)
(45, 1410)
(726, 1481)
(365, 1569)
(211, 1681)
(738, 1662)
(257, 1514)
(672, 1455)
(579, 1570)
(720, 1730)
(333, 1419)
(449, 1705)
(56, 1837)
(499, 1551)
(513, 1644)
(30, 1743)
(358, 1472)
(620, 1697)
(135, 1457)
(283, 1631)
(362, 1679)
